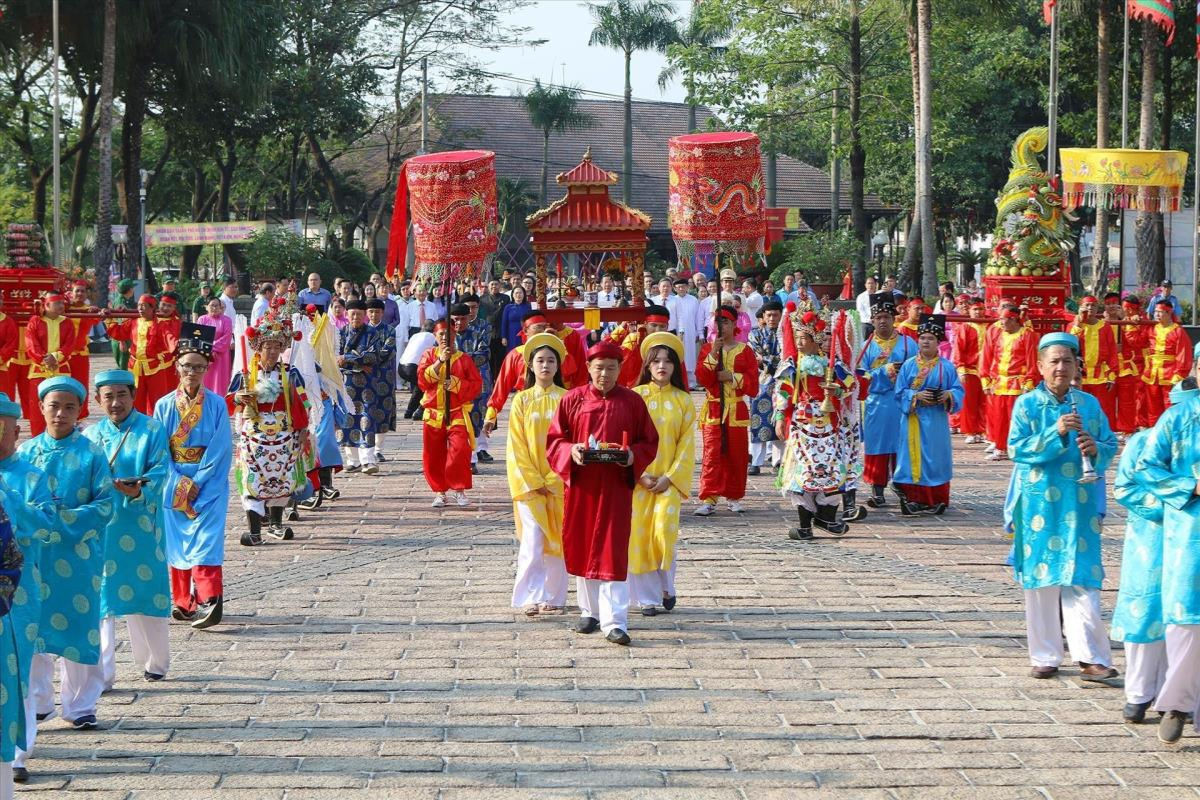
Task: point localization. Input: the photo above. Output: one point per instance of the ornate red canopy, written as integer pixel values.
(588, 220)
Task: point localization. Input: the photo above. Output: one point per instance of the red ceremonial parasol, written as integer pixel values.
(715, 201)
(452, 200)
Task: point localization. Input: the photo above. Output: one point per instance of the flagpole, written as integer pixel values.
(1124, 142)
(1052, 146)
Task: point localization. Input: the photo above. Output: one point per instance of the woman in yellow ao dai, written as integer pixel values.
(667, 482)
(537, 491)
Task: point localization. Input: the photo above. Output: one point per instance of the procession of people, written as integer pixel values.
(124, 514)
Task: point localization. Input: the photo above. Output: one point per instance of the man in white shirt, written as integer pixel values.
(608, 295)
(418, 344)
(862, 304)
(663, 298)
(704, 310)
(752, 301)
(684, 310)
(262, 303)
(228, 293)
(426, 309)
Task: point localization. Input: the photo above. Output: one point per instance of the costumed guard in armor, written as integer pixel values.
(807, 416)
(274, 449)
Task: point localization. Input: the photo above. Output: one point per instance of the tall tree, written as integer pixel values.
(1148, 234)
(103, 254)
(553, 109)
(630, 26)
(929, 277)
(693, 33)
(1104, 20)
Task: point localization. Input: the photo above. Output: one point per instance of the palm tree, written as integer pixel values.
(628, 26)
(1147, 235)
(513, 203)
(554, 109)
(929, 277)
(691, 36)
(108, 65)
(1103, 68)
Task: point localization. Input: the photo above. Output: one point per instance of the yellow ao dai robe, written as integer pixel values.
(656, 516)
(528, 470)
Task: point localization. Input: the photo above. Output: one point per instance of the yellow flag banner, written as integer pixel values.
(1140, 180)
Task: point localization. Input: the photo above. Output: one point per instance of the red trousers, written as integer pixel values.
(1129, 389)
(927, 495)
(1000, 409)
(971, 418)
(877, 470)
(446, 454)
(1158, 400)
(723, 473)
(200, 583)
(81, 368)
(152, 388)
(29, 404)
(1107, 398)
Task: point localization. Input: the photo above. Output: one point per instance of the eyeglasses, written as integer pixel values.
(193, 367)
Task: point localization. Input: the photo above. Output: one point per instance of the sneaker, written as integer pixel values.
(1170, 727)
(352, 468)
(439, 501)
(460, 499)
(736, 507)
(85, 723)
(704, 510)
(991, 448)
(51, 714)
(370, 469)
(153, 677)
(998, 455)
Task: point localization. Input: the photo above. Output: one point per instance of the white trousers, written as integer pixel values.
(149, 642)
(1087, 637)
(481, 441)
(607, 601)
(379, 437)
(6, 781)
(649, 588)
(80, 687)
(758, 453)
(1181, 689)
(353, 456)
(1145, 670)
(541, 578)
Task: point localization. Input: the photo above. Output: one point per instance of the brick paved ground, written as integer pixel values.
(375, 656)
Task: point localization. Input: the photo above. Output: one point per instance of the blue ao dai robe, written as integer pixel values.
(135, 577)
(1056, 521)
(78, 476)
(1170, 466)
(384, 376)
(765, 344)
(925, 454)
(199, 541)
(359, 349)
(881, 416)
(12, 692)
(1137, 617)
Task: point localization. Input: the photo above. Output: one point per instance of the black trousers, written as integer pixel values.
(409, 373)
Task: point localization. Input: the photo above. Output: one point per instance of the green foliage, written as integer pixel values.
(277, 251)
(823, 257)
(353, 264)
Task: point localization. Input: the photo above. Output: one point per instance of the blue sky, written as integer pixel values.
(566, 24)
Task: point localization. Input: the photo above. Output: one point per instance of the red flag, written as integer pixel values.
(1158, 12)
(1048, 10)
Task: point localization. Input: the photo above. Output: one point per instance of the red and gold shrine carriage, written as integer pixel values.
(584, 236)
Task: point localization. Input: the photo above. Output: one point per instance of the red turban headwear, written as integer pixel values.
(604, 349)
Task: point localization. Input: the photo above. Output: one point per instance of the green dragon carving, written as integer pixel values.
(1032, 237)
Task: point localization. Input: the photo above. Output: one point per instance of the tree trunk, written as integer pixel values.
(1146, 233)
(225, 172)
(858, 156)
(1103, 70)
(191, 253)
(82, 159)
(627, 183)
(131, 162)
(910, 274)
(545, 165)
(929, 277)
(909, 278)
(37, 180)
(102, 256)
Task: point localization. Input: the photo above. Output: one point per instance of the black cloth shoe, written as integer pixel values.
(649, 611)
(85, 723)
(1170, 727)
(311, 503)
(877, 498)
(754, 470)
(153, 677)
(1136, 712)
(208, 614)
(292, 514)
(20, 775)
(851, 510)
(485, 456)
(380, 458)
(804, 532)
(618, 636)
(474, 469)
(330, 494)
(179, 615)
(938, 510)
(669, 602)
(587, 625)
(827, 519)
